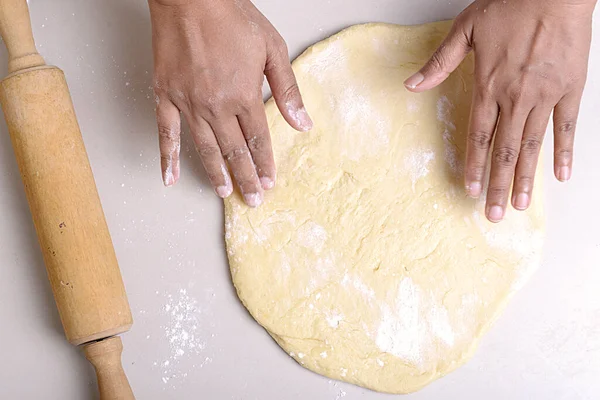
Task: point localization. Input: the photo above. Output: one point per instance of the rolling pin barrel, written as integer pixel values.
(72, 231)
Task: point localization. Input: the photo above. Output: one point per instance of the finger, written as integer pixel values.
(169, 140)
(504, 159)
(533, 137)
(235, 150)
(484, 117)
(254, 127)
(212, 159)
(286, 93)
(565, 121)
(446, 58)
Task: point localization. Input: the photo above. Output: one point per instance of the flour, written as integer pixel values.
(362, 127)
(186, 332)
(334, 320)
(444, 112)
(332, 58)
(440, 325)
(399, 333)
(451, 154)
(339, 392)
(417, 163)
(312, 236)
(406, 332)
(413, 105)
(359, 285)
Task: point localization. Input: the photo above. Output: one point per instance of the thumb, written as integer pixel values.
(286, 93)
(445, 60)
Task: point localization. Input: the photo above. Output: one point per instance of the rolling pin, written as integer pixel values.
(70, 224)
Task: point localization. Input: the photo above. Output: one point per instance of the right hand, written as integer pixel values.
(210, 59)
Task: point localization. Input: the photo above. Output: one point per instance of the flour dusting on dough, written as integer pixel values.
(406, 332)
(334, 320)
(363, 128)
(444, 115)
(440, 325)
(331, 58)
(417, 163)
(400, 330)
(312, 236)
(359, 285)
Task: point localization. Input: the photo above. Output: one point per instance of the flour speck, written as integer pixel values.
(417, 163)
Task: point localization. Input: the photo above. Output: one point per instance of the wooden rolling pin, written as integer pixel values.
(69, 220)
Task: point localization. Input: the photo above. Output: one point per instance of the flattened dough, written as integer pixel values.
(368, 263)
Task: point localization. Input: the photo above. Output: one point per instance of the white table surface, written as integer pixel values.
(169, 241)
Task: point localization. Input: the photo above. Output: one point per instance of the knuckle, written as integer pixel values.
(246, 100)
(516, 95)
(258, 143)
(438, 61)
(531, 145)
(480, 139)
(563, 154)
(486, 87)
(214, 104)
(236, 153)
(566, 128)
(168, 133)
(291, 91)
(497, 192)
(208, 152)
(505, 156)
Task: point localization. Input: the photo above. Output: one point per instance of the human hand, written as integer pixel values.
(210, 59)
(531, 58)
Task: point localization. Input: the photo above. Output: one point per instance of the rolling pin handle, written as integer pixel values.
(15, 28)
(105, 356)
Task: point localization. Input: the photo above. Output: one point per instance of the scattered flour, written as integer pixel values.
(440, 325)
(186, 332)
(362, 127)
(451, 155)
(407, 332)
(400, 330)
(333, 58)
(417, 163)
(339, 392)
(334, 320)
(312, 236)
(359, 285)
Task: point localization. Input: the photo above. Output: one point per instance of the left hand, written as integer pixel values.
(531, 59)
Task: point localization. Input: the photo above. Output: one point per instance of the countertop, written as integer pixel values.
(192, 338)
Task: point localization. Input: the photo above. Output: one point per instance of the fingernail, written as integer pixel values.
(564, 174)
(300, 117)
(414, 80)
(224, 191)
(474, 190)
(267, 183)
(522, 201)
(496, 214)
(253, 199)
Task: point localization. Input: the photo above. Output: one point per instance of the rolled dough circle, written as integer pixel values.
(367, 263)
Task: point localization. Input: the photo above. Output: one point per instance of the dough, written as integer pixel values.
(368, 263)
